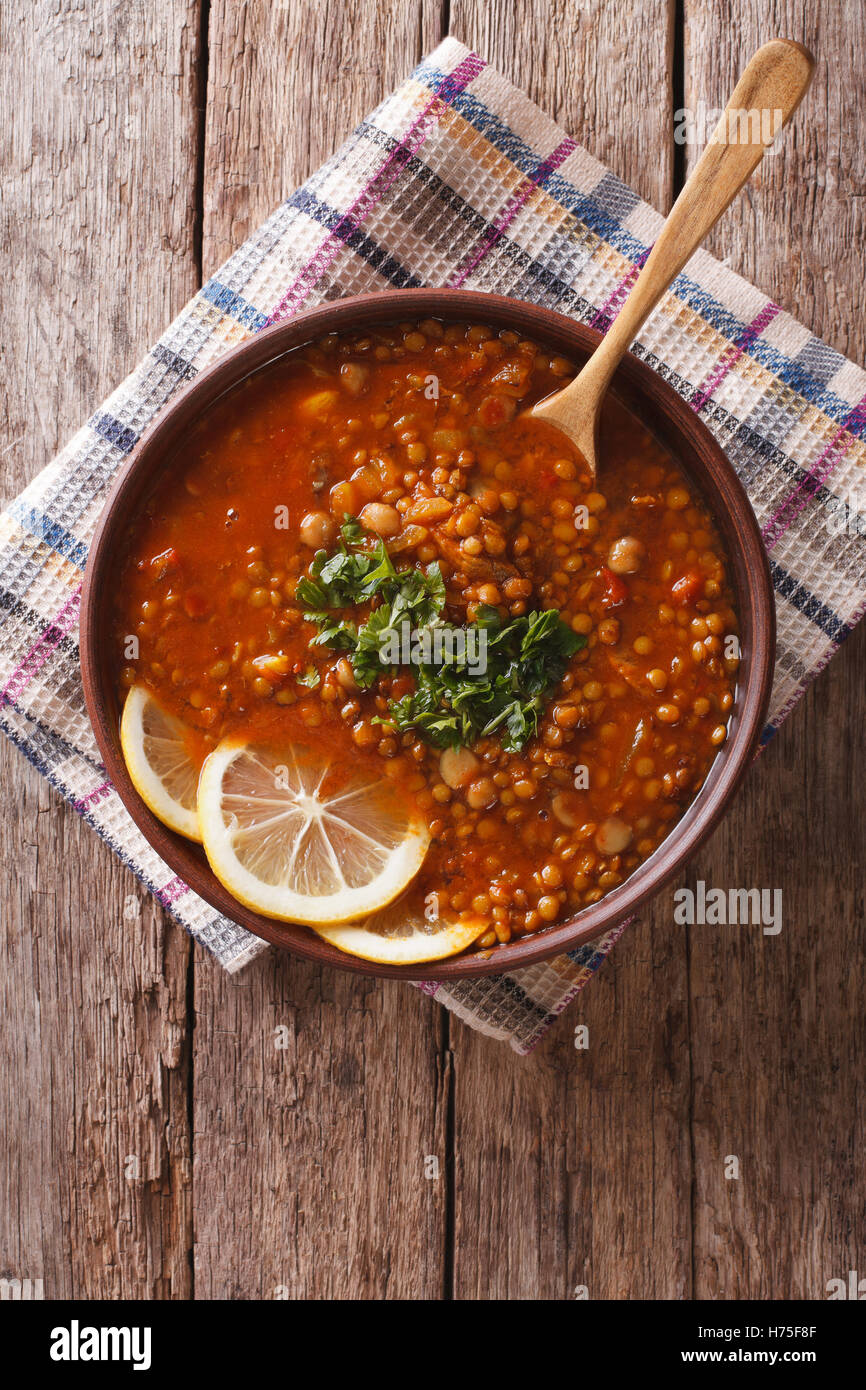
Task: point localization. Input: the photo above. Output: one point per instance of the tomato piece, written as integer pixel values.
(615, 589)
(195, 604)
(165, 563)
(688, 588)
(496, 410)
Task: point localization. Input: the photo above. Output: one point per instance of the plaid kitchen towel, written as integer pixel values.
(457, 179)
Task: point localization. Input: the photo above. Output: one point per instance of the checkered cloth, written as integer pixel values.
(457, 179)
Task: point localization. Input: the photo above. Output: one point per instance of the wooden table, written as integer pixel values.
(156, 1143)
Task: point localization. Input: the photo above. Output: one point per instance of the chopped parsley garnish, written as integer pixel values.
(458, 699)
(309, 678)
(526, 658)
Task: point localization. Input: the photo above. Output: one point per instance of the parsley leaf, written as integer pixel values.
(455, 701)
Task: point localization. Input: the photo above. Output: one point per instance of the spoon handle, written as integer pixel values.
(764, 99)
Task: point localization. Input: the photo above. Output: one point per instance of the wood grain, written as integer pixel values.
(798, 230)
(310, 1162)
(98, 158)
(778, 1029)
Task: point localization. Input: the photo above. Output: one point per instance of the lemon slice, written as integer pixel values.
(290, 833)
(406, 933)
(157, 754)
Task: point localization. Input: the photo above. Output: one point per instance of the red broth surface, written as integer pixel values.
(413, 429)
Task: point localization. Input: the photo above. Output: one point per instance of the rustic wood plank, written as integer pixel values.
(97, 253)
(798, 229)
(572, 1165)
(778, 1028)
(311, 1161)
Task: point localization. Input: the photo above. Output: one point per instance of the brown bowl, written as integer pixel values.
(666, 414)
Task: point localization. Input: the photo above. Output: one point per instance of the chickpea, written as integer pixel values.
(380, 518)
(565, 807)
(481, 794)
(457, 767)
(626, 555)
(354, 376)
(317, 531)
(612, 836)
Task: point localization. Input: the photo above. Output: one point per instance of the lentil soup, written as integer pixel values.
(395, 457)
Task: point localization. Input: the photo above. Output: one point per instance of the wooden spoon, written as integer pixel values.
(773, 84)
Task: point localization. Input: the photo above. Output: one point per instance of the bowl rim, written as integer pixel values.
(634, 382)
